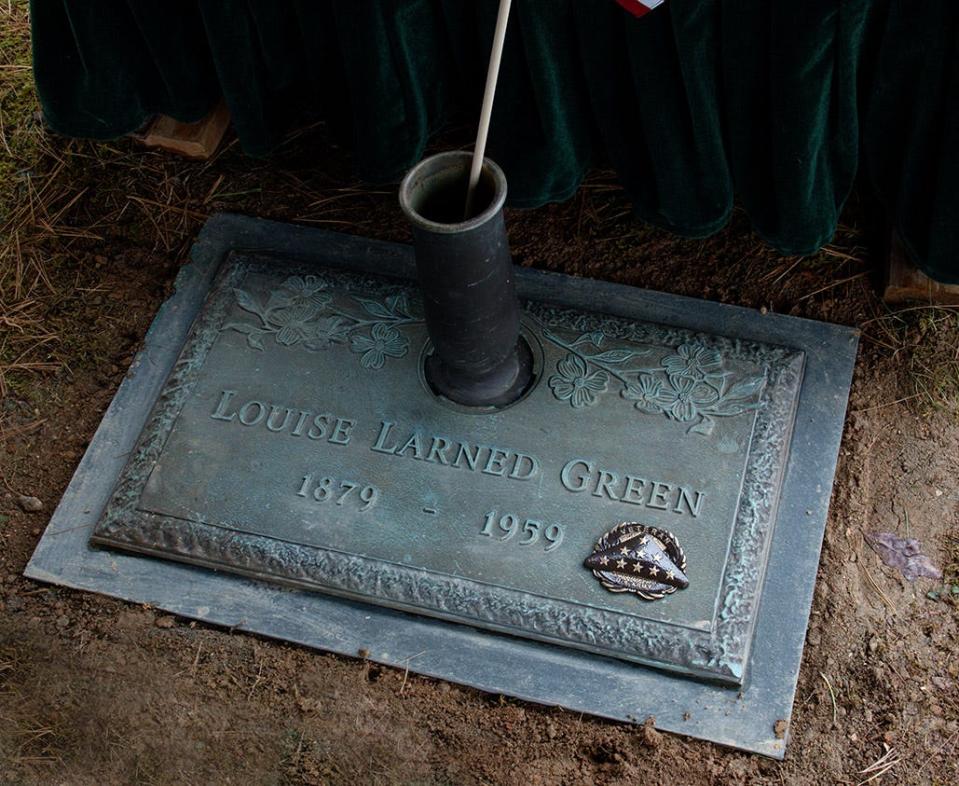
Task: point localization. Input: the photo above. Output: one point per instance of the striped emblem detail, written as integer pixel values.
(639, 7)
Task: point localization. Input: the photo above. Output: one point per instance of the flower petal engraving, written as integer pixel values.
(693, 361)
(690, 385)
(303, 290)
(384, 341)
(302, 311)
(327, 331)
(575, 383)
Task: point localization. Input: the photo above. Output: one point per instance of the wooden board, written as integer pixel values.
(905, 282)
(198, 140)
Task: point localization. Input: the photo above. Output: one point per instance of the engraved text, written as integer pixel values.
(280, 418)
(580, 475)
(529, 531)
(455, 453)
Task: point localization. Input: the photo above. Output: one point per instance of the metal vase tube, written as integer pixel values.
(466, 277)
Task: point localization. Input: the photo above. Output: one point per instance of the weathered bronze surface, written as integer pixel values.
(296, 440)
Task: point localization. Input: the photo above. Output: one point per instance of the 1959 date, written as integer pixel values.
(505, 526)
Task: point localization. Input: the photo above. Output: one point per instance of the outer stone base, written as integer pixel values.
(292, 438)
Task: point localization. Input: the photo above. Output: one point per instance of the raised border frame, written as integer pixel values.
(529, 670)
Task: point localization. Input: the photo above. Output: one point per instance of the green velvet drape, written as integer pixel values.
(780, 102)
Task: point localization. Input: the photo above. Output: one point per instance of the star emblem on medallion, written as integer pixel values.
(646, 560)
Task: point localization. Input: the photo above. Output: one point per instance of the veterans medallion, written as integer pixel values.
(634, 557)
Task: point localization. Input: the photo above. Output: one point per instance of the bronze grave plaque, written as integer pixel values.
(297, 441)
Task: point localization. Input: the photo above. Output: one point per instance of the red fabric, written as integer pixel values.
(634, 7)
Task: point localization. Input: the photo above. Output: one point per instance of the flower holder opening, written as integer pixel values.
(466, 277)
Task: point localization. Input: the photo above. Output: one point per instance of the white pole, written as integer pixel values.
(499, 35)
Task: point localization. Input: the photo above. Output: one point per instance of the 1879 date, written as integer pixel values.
(340, 492)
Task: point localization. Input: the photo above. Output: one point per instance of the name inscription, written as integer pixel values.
(578, 475)
(281, 419)
(457, 454)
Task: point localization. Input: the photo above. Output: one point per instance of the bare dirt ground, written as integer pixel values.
(95, 691)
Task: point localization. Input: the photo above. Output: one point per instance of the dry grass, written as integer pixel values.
(934, 360)
(22, 334)
(926, 340)
(25, 738)
(950, 570)
(73, 212)
(63, 204)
